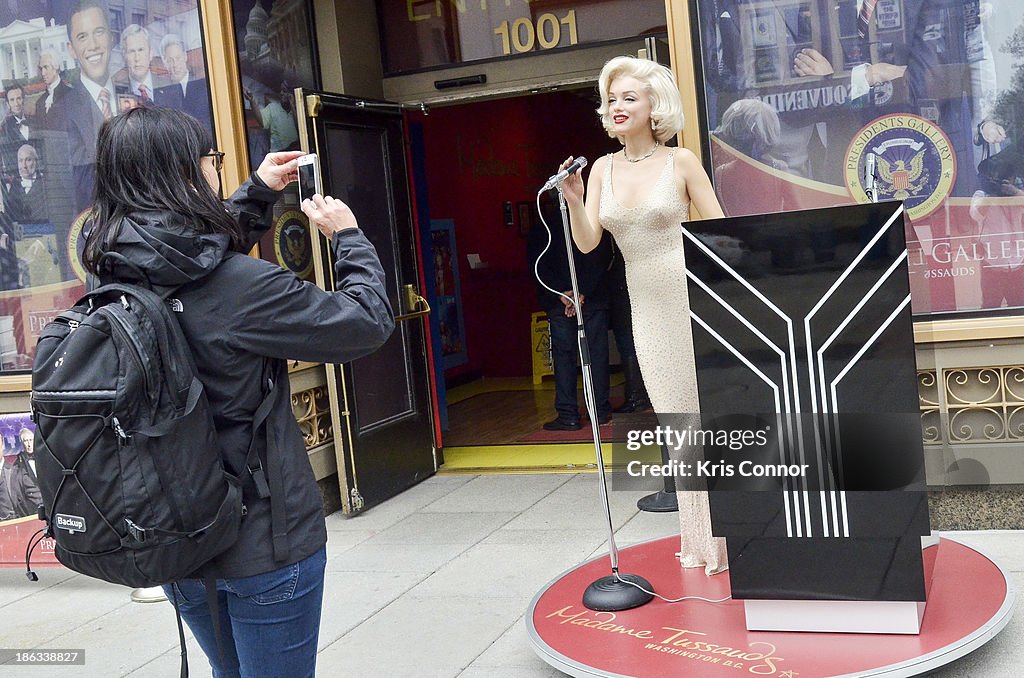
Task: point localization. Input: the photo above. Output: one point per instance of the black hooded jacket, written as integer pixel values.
(244, 318)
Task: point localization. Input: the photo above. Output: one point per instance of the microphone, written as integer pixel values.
(555, 179)
(869, 176)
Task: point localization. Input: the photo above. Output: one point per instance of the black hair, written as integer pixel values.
(148, 160)
(84, 6)
(15, 86)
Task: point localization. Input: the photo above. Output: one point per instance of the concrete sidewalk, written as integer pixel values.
(433, 583)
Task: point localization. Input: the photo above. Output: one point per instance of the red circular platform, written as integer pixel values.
(969, 602)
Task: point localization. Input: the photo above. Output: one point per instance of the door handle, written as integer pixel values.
(313, 105)
(412, 300)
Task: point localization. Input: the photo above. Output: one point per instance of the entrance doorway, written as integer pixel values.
(483, 163)
(380, 403)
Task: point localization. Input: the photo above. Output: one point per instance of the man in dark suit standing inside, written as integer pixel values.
(15, 129)
(91, 100)
(553, 269)
(47, 106)
(185, 93)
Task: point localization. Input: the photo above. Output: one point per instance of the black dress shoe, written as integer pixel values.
(560, 424)
(633, 405)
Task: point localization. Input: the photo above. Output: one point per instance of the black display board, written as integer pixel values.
(802, 328)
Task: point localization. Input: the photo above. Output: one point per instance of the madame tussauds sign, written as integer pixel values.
(758, 658)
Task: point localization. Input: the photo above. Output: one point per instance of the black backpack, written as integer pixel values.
(131, 474)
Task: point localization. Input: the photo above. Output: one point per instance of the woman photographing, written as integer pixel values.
(157, 206)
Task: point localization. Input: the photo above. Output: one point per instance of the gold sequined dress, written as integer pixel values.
(649, 238)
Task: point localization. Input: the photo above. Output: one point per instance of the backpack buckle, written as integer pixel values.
(138, 533)
(260, 479)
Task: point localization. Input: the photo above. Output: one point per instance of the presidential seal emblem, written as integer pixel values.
(914, 162)
(292, 245)
(76, 245)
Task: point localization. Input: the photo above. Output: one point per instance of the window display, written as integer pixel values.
(276, 45)
(804, 97)
(66, 67)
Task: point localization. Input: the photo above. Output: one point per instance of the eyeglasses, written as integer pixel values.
(218, 159)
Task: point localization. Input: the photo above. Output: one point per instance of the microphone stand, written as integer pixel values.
(870, 178)
(613, 592)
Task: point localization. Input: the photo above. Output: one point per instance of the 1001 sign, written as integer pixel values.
(523, 35)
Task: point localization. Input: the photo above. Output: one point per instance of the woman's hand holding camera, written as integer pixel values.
(279, 169)
(329, 214)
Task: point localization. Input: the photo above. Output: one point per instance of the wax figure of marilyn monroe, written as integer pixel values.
(642, 194)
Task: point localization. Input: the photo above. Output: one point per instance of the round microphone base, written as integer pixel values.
(659, 502)
(609, 594)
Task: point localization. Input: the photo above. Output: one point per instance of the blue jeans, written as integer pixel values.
(269, 623)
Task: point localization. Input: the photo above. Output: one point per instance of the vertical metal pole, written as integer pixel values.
(588, 383)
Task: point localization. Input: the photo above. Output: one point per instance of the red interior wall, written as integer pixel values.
(480, 155)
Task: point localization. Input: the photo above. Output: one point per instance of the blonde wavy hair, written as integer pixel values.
(660, 85)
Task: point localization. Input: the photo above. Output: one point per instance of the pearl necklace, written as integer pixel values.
(642, 157)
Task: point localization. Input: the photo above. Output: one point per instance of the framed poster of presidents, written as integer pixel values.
(66, 67)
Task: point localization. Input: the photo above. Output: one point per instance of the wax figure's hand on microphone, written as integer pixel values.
(572, 186)
(279, 169)
(329, 215)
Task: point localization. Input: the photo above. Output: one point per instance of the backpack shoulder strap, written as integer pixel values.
(269, 485)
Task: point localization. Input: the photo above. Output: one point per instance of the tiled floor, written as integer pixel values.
(432, 583)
